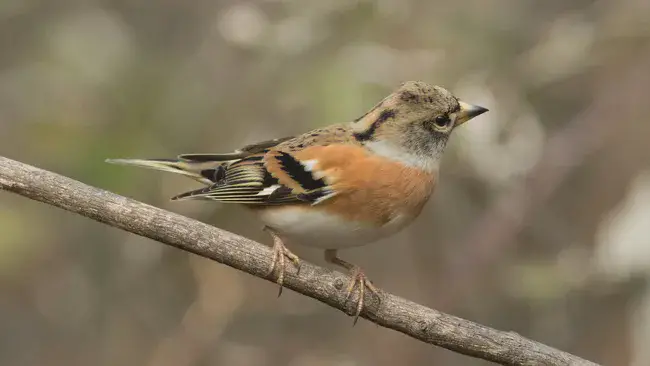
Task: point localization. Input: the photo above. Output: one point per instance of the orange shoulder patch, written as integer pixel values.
(292, 172)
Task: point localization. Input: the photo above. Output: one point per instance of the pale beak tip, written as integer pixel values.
(476, 110)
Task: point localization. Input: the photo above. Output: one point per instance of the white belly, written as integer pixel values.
(322, 230)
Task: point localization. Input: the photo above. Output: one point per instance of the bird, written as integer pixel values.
(336, 187)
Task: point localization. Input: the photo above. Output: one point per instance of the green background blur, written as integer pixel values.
(540, 224)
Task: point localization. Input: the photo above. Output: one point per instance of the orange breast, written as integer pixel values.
(369, 188)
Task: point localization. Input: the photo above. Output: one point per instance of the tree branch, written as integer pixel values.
(417, 321)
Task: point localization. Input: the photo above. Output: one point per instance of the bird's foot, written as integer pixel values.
(278, 261)
(360, 281)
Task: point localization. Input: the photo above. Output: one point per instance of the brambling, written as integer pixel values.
(336, 187)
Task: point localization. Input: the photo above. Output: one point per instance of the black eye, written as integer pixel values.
(442, 121)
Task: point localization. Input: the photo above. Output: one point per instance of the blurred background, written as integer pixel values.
(540, 225)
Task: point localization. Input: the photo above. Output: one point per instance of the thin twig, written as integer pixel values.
(417, 321)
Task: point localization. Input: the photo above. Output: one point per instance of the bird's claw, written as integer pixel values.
(278, 262)
(359, 280)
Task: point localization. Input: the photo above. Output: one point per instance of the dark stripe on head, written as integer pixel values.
(297, 171)
(368, 134)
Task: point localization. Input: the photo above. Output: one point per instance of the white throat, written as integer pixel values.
(389, 150)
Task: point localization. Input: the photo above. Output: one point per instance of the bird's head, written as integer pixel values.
(413, 124)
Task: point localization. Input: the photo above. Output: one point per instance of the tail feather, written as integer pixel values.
(206, 172)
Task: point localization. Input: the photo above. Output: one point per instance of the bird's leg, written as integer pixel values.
(278, 262)
(358, 279)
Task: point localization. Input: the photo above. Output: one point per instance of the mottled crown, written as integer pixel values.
(422, 95)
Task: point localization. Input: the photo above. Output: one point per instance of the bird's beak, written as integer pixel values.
(467, 112)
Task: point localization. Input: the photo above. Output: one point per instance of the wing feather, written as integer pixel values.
(244, 152)
(265, 173)
(249, 181)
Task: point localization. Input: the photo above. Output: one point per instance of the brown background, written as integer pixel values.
(540, 224)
